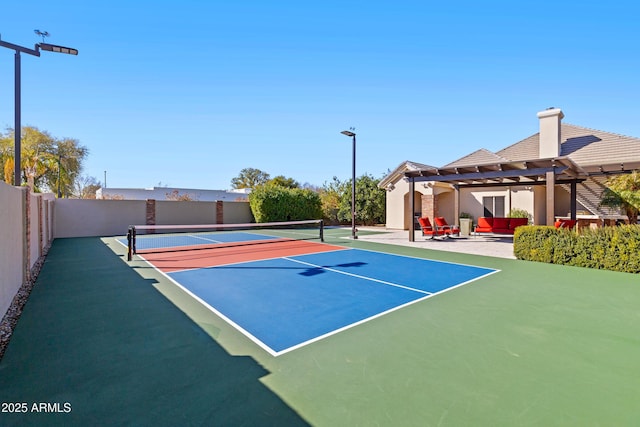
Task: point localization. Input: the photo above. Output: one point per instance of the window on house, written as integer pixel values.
(493, 206)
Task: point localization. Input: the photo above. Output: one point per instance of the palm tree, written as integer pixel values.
(623, 191)
(47, 163)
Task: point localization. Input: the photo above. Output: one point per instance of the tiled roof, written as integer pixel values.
(398, 173)
(478, 157)
(586, 147)
(527, 149)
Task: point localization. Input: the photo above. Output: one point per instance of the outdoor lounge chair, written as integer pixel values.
(565, 223)
(428, 229)
(441, 223)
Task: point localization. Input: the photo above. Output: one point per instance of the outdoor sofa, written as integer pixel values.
(499, 225)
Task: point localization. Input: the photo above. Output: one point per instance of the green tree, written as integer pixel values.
(330, 194)
(282, 181)
(45, 160)
(370, 201)
(623, 192)
(249, 178)
(275, 203)
(85, 187)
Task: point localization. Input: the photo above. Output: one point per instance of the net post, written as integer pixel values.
(129, 245)
(133, 239)
(322, 230)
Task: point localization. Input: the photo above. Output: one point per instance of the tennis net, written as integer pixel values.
(165, 238)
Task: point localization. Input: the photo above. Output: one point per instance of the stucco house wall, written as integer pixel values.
(395, 198)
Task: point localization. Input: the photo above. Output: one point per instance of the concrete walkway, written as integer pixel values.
(496, 246)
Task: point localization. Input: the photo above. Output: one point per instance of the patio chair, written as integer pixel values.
(565, 223)
(441, 224)
(428, 229)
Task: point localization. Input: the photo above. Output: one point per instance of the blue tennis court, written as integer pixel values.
(287, 302)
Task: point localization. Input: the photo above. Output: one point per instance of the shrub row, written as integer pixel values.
(608, 248)
(271, 203)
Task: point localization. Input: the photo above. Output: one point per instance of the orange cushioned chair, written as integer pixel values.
(427, 228)
(565, 223)
(442, 224)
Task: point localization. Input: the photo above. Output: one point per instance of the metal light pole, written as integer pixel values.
(17, 119)
(351, 134)
(59, 175)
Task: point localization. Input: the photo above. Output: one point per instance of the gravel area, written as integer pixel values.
(12, 315)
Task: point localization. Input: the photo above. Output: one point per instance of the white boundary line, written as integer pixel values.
(357, 275)
(202, 238)
(427, 259)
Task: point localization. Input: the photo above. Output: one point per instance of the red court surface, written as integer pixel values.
(183, 260)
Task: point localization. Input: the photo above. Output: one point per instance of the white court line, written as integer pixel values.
(359, 276)
(204, 238)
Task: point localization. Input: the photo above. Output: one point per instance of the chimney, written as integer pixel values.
(550, 132)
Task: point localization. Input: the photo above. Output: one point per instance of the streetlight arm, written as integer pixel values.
(17, 48)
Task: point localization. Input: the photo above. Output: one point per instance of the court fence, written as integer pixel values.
(26, 232)
(29, 222)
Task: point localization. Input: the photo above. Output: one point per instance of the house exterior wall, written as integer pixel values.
(445, 205)
(471, 200)
(428, 201)
(562, 203)
(518, 197)
(540, 205)
(521, 197)
(397, 203)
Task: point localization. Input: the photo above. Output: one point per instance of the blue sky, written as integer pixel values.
(188, 93)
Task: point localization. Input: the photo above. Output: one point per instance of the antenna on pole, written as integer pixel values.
(42, 34)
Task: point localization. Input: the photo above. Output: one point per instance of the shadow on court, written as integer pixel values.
(99, 345)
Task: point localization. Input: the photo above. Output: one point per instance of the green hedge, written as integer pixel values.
(274, 203)
(607, 248)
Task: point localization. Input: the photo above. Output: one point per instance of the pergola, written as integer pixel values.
(548, 172)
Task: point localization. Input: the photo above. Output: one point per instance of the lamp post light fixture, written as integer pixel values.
(352, 135)
(17, 118)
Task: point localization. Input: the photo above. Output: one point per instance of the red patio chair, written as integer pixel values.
(441, 223)
(565, 223)
(428, 229)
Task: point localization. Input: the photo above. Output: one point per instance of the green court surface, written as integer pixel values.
(105, 342)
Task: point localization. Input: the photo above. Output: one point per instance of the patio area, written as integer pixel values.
(499, 246)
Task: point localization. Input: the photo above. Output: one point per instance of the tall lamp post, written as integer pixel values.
(59, 174)
(17, 126)
(352, 134)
